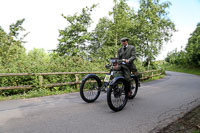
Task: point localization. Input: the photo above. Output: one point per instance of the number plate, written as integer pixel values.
(107, 78)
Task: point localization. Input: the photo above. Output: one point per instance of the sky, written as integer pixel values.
(185, 15)
(43, 19)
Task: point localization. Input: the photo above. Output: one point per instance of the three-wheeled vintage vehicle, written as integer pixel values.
(118, 89)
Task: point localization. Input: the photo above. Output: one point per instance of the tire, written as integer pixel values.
(134, 88)
(90, 88)
(114, 95)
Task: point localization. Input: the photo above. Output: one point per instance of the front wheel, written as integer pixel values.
(117, 96)
(90, 89)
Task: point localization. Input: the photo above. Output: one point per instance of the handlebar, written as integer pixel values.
(123, 61)
(114, 61)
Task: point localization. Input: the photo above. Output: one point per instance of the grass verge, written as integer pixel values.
(184, 69)
(190, 123)
(154, 78)
(37, 93)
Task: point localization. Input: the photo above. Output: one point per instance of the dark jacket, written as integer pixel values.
(130, 54)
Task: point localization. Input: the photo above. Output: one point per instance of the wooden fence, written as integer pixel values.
(144, 75)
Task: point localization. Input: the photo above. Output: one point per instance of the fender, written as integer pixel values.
(93, 76)
(133, 76)
(120, 78)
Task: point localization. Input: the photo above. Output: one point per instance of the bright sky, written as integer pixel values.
(185, 15)
(43, 19)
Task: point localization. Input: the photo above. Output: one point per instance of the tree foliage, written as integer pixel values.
(109, 30)
(147, 29)
(16, 30)
(11, 48)
(73, 39)
(153, 27)
(193, 47)
(190, 56)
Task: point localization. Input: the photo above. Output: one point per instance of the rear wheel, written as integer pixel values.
(117, 96)
(90, 89)
(134, 88)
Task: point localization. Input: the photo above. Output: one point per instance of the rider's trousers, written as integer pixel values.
(126, 71)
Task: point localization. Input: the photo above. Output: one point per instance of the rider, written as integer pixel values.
(128, 53)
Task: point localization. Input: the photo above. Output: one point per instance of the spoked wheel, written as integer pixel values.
(134, 88)
(90, 89)
(117, 96)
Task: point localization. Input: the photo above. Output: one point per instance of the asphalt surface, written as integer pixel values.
(156, 105)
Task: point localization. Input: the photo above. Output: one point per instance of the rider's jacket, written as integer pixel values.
(130, 54)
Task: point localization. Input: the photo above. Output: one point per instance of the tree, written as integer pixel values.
(101, 36)
(11, 48)
(191, 55)
(109, 30)
(153, 28)
(74, 38)
(177, 57)
(193, 47)
(16, 30)
(122, 20)
(147, 29)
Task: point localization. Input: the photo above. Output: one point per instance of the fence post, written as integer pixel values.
(152, 75)
(77, 80)
(41, 80)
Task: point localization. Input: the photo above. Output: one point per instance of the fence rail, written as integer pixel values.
(145, 75)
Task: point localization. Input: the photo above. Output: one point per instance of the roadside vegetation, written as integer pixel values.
(80, 49)
(190, 123)
(184, 69)
(188, 59)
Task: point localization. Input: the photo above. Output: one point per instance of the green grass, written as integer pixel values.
(37, 93)
(154, 78)
(184, 69)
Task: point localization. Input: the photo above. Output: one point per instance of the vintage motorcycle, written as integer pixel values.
(118, 89)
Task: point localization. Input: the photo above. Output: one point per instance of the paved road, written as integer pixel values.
(157, 104)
